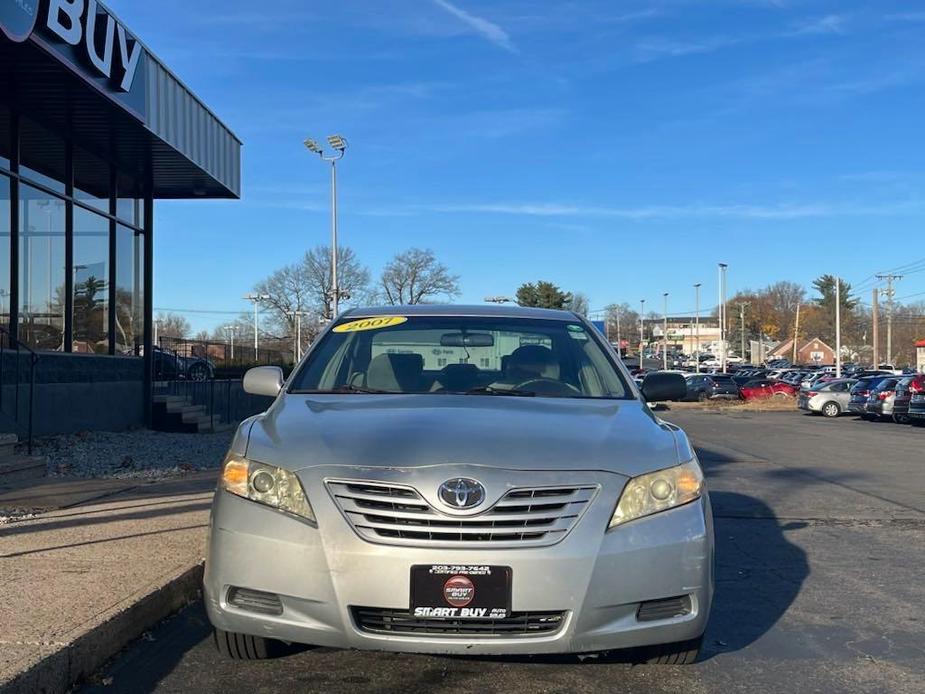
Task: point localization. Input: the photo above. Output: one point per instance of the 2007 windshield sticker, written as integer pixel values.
(376, 323)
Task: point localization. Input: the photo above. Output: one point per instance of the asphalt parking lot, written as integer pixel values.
(819, 528)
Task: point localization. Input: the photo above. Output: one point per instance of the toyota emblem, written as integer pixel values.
(462, 492)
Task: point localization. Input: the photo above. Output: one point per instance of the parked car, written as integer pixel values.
(169, 366)
(830, 400)
(906, 389)
(701, 387)
(860, 391)
(880, 400)
(369, 508)
(762, 388)
(916, 411)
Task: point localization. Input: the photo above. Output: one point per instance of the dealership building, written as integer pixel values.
(93, 129)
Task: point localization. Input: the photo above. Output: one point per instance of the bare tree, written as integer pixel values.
(305, 288)
(172, 325)
(414, 276)
(579, 303)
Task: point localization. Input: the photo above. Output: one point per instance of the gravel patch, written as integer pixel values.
(141, 453)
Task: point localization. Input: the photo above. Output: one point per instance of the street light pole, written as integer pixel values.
(339, 144)
(837, 327)
(229, 330)
(665, 334)
(697, 319)
(722, 316)
(642, 329)
(256, 299)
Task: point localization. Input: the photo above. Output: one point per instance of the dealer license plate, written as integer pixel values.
(467, 591)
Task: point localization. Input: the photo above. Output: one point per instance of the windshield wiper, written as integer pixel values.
(347, 388)
(491, 390)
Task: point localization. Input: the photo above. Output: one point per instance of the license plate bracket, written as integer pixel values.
(461, 591)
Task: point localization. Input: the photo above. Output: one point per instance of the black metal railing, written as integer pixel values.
(223, 400)
(8, 342)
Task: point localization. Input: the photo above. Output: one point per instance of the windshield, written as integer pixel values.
(461, 355)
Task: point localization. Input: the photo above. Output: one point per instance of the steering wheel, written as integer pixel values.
(548, 386)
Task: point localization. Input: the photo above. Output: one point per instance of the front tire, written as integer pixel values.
(679, 653)
(831, 409)
(243, 646)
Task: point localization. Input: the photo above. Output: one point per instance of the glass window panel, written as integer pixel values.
(129, 305)
(4, 251)
(6, 137)
(126, 210)
(42, 155)
(41, 269)
(92, 180)
(91, 282)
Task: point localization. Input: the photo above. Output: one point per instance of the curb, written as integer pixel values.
(59, 671)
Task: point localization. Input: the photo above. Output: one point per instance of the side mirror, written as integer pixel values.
(264, 380)
(663, 387)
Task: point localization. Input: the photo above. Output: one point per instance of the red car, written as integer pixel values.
(761, 388)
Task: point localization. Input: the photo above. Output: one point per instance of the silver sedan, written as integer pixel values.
(461, 480)
(830, 399)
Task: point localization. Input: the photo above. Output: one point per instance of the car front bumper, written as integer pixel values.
(596, 579)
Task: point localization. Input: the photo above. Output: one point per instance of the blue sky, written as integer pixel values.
(620, 149)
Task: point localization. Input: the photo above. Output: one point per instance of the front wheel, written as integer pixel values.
(901, 419)
(243, 646)
(679, 653)
(831, 409)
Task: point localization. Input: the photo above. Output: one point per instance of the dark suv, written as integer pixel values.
(909, 403)
(861, 391)
(705, 387)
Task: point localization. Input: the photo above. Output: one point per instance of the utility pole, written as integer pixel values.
(796, 336)
(642, 329)
(256, 299)
(889, 293)
(665, 334)
(875, 312)
(697, 319)
(722, 316)
(619, 341)
(837, 327)
(297, 350)
(742, 306)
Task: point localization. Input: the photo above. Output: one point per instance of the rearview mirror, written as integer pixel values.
(264, 380)
(664, 387)
(467, 340)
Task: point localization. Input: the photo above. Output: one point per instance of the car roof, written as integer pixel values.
(462, 310)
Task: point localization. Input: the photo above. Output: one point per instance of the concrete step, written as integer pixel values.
(208, 424)
(194, 416)
(17, 468)
(173, 408)
(8, 444)
(167, 399)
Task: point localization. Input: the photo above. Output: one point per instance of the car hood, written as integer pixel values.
(403, 431)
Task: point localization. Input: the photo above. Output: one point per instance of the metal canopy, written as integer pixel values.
(180, 147)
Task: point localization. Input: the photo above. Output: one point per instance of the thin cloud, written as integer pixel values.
(784, 211)
(829, 24)
(481, 26)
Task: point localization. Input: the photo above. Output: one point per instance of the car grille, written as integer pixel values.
(397, 514)
(384, 621)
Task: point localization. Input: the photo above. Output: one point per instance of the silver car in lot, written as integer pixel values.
(830, 399)
(461, 480)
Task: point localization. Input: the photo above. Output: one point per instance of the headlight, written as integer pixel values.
(658, 491)
(266, 484)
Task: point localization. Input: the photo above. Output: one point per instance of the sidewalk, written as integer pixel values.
(100, 562)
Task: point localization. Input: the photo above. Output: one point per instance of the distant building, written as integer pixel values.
(813, 351)
(683, 332)
(920, 356)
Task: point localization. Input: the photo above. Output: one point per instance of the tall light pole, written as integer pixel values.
(665, 334)
(230, 330)
(256, 299)
(837, 327)
(722, 316)
(339, 144)
(297, 349)
(697, 324)
(619, 339)
(642, 328)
